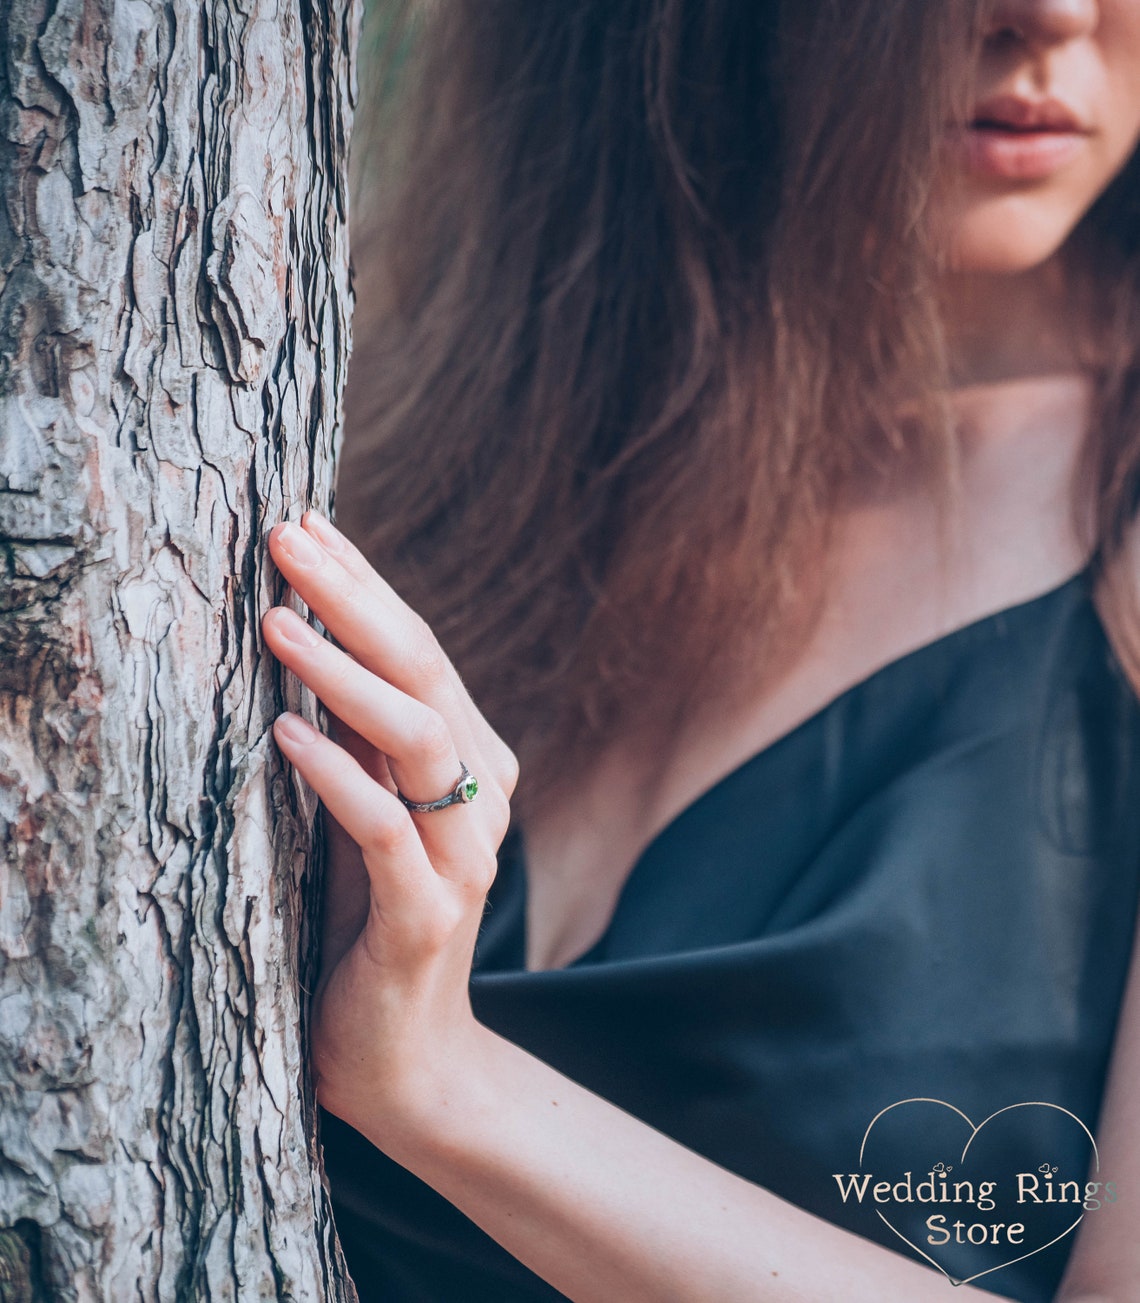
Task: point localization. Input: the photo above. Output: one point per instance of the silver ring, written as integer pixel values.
(464, 791)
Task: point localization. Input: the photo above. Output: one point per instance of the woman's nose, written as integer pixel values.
(1044, 22)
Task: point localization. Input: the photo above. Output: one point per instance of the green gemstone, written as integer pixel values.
(470, 788)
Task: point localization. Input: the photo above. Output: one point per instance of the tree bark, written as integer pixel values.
(175, 317)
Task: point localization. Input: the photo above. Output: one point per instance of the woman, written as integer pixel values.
(752, 413)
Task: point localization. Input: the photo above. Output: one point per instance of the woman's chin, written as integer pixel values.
(1005, 239)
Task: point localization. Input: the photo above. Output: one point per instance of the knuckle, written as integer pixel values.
(479, 872)
(436, 929)
(339, 672)
(386, 831)
(498, 816)
(430, 735)
(488, 868)
(341, 584)
(506, 768)
(425, 656)
(338, 591)
(449, 920)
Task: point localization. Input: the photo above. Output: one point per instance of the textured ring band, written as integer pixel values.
(464, 791)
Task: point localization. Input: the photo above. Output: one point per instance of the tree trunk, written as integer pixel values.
(174, 332)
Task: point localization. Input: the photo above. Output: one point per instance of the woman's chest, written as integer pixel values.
(890, 588)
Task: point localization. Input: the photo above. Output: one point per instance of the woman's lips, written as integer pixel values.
(1018, 139)
(1016, 155)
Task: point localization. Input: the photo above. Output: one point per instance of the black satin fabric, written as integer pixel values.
(927, 889)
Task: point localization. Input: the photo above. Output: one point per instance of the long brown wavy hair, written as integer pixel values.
(640, 284)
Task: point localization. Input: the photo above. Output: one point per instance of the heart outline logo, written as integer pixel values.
(974, 1130)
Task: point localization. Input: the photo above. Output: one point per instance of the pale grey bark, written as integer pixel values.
(174, 332)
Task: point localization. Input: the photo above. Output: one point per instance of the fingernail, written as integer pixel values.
(299, 545)
(294, 729)
(329, 535)
(292, 628)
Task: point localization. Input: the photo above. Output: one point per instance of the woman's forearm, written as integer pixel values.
(1105, 1262)
(605, 1207)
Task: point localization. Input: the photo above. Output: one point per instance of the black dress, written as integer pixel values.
(926, 890)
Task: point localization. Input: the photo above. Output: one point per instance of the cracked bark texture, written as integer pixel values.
(175, 314)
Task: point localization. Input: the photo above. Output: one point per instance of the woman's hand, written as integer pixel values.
(405, 893)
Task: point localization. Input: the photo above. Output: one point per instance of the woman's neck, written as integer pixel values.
(1037, 324)
(1022, 352)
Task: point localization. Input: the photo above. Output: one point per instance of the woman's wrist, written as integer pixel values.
(419, 1116)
